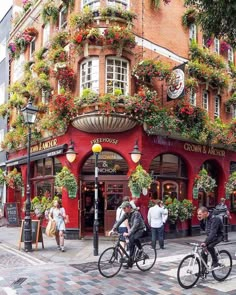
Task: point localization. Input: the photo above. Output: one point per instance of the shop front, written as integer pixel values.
(173, 164)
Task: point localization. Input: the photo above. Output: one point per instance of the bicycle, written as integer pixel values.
(191, 266)
(112, 259)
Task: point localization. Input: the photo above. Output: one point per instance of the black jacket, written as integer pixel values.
(135, 220)
(213, 226)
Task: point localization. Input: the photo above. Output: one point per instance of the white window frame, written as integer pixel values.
(115, 82)
(192, 32)
(1, 138)
(205, 100)
(193, 97)
(2, 93)
(217, 106)
(32, 47)
(217, 45)
(62, 13)
(92, 4)
(230, 55)
(89, 74)
(123, 3)
(46, 34)
(3, 51)
(233, 111)
(18, 70)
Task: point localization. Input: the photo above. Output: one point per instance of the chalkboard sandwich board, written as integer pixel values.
(12, 214)
(37, 235)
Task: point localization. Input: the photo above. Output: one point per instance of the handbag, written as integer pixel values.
(51, 228)
(67, 219)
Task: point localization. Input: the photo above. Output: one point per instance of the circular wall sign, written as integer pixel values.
(177, 86)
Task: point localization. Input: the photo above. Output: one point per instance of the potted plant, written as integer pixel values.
(173, 209)
(204, 181)
(186, 210)
(50, 11)
(41, 206)
(139, 179)
(65, 77)
(14, 179)
(67, 180)
(189, 17)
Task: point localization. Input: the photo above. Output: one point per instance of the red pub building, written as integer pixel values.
(101, 70)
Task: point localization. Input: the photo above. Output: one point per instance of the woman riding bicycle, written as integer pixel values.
(137, 228)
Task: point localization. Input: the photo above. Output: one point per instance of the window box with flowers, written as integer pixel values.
(66, 179)
(14, 179)
(139, 180)
(147, 69)
(205, 182)
(32, 31)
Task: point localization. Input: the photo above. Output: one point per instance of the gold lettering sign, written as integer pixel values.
(43, 146)
(203, 149)
(107, 140)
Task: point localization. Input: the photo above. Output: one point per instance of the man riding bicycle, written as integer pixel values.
(137, 228)
(213, 226)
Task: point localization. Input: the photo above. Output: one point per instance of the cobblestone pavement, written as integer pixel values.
(56, 273)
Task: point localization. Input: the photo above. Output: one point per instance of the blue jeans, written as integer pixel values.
(158, 233)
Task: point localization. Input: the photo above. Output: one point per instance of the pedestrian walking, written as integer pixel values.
(155, 220)
(58, 214)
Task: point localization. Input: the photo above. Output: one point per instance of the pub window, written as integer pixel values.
(47, 167)
(217, 107)
(63, 17)
(122, 3)
(32, 47)
(116, 75)
(92, 4)
(89, 77)
(230, 55)
(46, 34)
(192, 97)
(233, 111)
(205, 100)
(192, 32)
(217, 45)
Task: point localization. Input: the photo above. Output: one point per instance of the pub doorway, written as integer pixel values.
(113, 185)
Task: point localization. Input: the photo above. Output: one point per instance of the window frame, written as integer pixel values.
(193, 97)
(217, 100)
(46, 34)
(192, 32)
(233, 111)
(230, 55)
(63, 12)
(92, 4)
(205, 96)
(217, 45)
(84, 85)
(122, 3)
(126, 83)
(32, 48)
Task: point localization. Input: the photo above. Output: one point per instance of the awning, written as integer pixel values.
(52, 152)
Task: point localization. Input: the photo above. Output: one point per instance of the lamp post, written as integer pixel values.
(29, 113)
(71, 154)
(96, 148)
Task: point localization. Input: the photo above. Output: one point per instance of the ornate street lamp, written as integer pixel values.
(136, 154)
(96, 148)
(29, 113)
(71, 154)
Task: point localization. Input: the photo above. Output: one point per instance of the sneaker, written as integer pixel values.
(62, 249)
(58, 247)
(216, 264)
(140, 254)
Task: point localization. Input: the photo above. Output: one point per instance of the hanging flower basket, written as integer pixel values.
(205, 182)
(67, 180)
(230, 185)
(139, 179)
(14, 179)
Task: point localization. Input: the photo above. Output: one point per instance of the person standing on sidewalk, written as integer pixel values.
(155, 220)
(57, 213)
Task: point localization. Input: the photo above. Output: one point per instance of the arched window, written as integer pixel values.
(116, 75)
(93, 4)
(171, 174)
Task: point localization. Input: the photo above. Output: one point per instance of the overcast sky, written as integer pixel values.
(4, 6)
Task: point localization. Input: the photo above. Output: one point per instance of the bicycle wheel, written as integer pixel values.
(147, 259)
(225, 260)
(110, 262)
(188, 271)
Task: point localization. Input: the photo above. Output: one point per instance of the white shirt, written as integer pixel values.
(155, 216)
(119, 213)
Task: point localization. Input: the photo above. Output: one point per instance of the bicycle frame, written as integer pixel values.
(123, 251)
(197, 254)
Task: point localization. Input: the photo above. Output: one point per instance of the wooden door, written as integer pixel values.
(114, 193)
